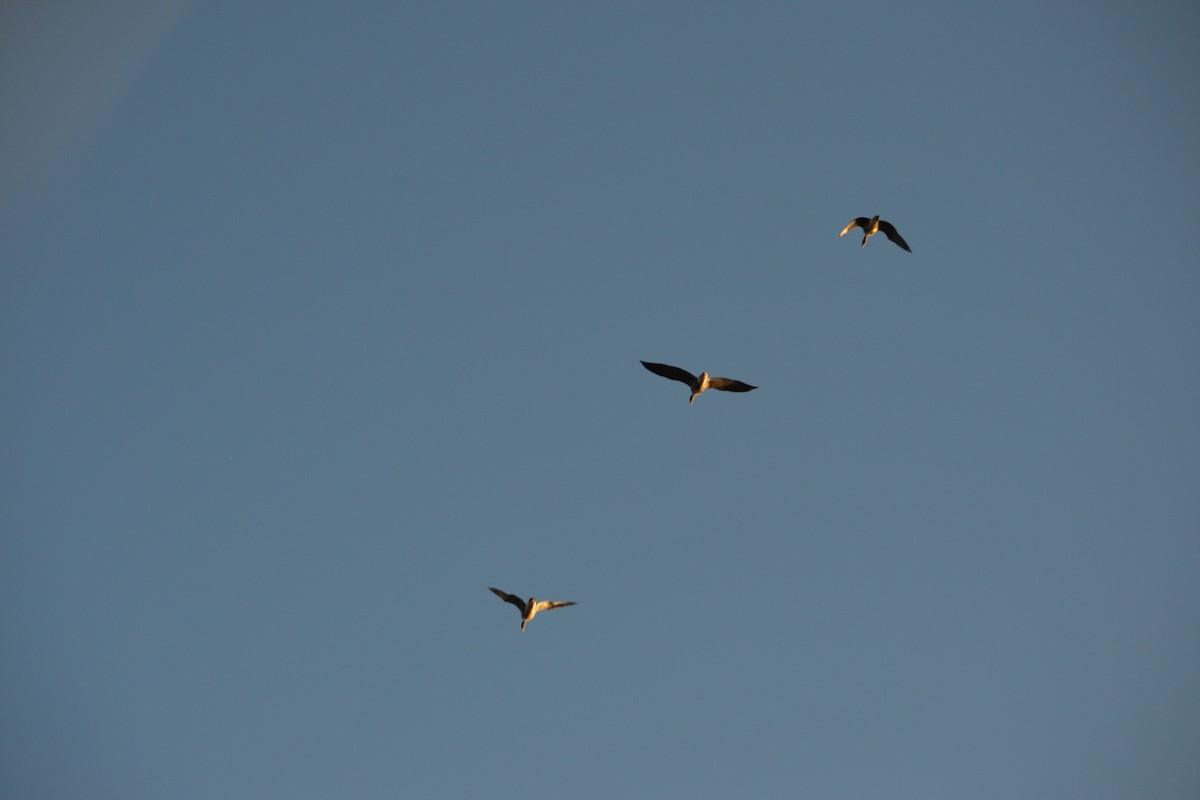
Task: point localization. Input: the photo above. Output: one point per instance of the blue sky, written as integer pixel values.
(318, 320)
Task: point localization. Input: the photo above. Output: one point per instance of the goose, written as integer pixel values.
(529, 608)
(873, 226)
(697, 385)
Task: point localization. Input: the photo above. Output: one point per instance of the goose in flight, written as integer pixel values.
(697, 385)
(873, 226)
(529, 608)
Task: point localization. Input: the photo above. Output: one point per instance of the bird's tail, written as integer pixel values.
(864, 244)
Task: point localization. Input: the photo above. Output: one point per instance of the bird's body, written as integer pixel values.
(873, 225)
(529, 608)
(700, 384)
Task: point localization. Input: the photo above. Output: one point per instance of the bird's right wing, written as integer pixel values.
(674, 373)
(509, 598)
(889, 230)
(729, 385)
(546, 605)
(858, 222)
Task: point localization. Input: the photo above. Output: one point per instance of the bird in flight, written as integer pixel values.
(697, 385)
(873, 226)
(529, 608)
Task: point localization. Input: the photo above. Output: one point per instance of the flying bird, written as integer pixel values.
(697, 385)
(529, 608)
(873, 226)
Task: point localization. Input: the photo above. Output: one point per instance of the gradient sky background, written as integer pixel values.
(318, 319)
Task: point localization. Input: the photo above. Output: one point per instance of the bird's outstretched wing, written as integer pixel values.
(674, 373)
(890, 231)
(729, 385)
(857, 222)
(509, 598)
(546, 605)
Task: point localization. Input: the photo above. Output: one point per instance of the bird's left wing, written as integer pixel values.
(509, 598)
(674, 373)
(858, 222)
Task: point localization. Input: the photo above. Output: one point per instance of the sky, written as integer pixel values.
(317, 320)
